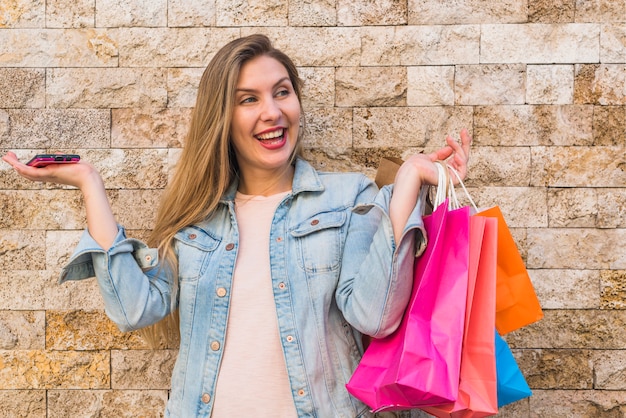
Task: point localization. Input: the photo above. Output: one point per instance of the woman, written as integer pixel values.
(275, 269)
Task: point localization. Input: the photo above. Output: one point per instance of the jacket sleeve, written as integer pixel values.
(134, 287)
(377, 277)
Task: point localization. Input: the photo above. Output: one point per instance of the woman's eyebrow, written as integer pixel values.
(252, 90)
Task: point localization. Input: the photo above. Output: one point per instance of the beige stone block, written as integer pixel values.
(556, 369)
(58, 48)
(142, 369)
(58, 129)
(21, 248)
(600, 10)
(106, 88)
(106, 403)
(79, 330)
(425, 12)
(613, 43)
(171, 47)
(550, 84)
(519, 409)
(39, 369)
(609, 369)
(403, 127)
(337, 160)
(520, 206)
(577, 403)
(182, 86)
(609, 125)
(83, 294)
(576, 248)
(23, 403)
(130, 168)
(490, 84)
(22, 289)
(523, 125)
(566, 289)
(22, 14)
(135, 209)
(328, 127)
(538, 43)
(120, 13)
(252, 13)
(597, 166)
(187, 13)
(318, 88)
(70, 13)
(574, 329)
(421, 45)
(573, 208)
(603, 84)
(312, 13)
(59, 248)
(23, 88)
(551, 11)
(499, 166)
(22, 330)
(370, 86)
(371, 13)
(42, 209)
(613, 289)
(430, 86)
(149, 128)
(315, 47)
(611, 208)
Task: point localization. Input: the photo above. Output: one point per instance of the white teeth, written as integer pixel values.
(271, 135)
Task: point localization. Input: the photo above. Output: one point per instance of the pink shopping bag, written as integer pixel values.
(419, 363)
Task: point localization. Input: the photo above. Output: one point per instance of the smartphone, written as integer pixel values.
(42, 160)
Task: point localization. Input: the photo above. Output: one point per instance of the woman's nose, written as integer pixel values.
(271, 110)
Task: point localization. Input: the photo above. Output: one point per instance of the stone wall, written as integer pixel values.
(540, 84)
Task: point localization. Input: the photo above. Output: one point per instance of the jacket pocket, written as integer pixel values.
(319, 241)
(194, 248)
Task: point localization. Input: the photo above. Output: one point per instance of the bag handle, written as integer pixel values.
(445, 188)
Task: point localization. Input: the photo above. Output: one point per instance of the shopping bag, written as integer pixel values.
(386, 171)
(512, 385)
(516, 301)
(477, 386)
(419, 363)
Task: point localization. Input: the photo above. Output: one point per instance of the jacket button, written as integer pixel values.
(192, 236)
(301, 392)
(315, 222)
(230, 246)
(221, 292)
(282, 286)
(215, 345)
(289, 338)
(206, 398)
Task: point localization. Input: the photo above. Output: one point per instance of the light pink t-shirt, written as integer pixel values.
(253, 380)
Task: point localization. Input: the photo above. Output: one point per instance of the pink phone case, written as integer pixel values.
(42, 160)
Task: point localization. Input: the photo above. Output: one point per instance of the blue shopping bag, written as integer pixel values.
(512, 385)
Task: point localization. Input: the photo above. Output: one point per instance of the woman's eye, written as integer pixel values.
(282, 92)
(248, 100)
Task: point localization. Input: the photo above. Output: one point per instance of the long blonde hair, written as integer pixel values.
(207, 165)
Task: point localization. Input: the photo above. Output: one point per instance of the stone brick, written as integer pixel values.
(58, 48)
(556, 369)
(189, 13)
(613, 43)
(309, 13)
(149, 128)
(362, 160)
(120, 13)
(167, 47)
(600, 10)
(252, 13)
(20, 248)
(566, 289)
(22, 289)
(613, 289)
(182, 86)
(370, 86)
(371, 13)
(111, 88)
(578, 166)
(550, 84)
(430, 86)
(135, 209)
(22, 330)
(23, 403)
(520, 206)
(106, 403)
(319, 87)
(142, 369)
(601, 84)
(425, 12)
(609, 125)
(403, 127)
(70, 14)
(490, 84)
(523, 125)
(612, 208)
(59, 248)
(421, 45)
(513, 167)
(87, 330)
(130, 168)
(551, 11)
(42, 209)
(38, 369)
(22, 14)
(572, 208)
(578, 403)
(574, 329)
(83, 294)
(328, 127)
(540, 43)
(609, 370)
(23, 88)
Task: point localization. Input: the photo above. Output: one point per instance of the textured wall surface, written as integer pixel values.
(540, 84)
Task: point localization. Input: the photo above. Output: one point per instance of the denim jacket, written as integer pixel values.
(336, 274)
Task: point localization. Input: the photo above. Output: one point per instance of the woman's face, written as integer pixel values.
(266, 118)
